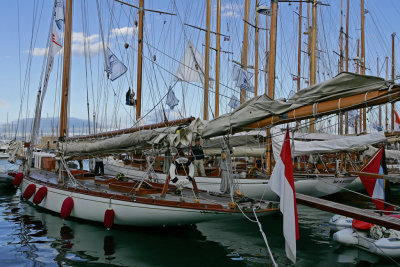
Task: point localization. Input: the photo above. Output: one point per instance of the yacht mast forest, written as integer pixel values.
(152, 163)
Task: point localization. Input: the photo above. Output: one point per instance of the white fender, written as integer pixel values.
(178, 179)
(339, 222)
(386, 247)
(348, 236)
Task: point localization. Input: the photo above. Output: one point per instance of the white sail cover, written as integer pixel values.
(345, 143)
(260, 107)
(192, 65)
(176, 136)
(389, 153)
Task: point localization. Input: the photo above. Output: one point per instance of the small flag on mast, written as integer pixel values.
(172, 101)
(114, 67)
(242, 79)
(234, 102)
(59, 13)
(282, 183)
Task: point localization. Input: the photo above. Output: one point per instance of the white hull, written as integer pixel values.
(356, 185)
(254, 188)
(92, 208)
(4, 155)
(383, 246)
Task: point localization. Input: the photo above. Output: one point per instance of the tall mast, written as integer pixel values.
(256, 53)
(363, 62)
(358, 72)
(313, 53)
(393, 77)
(207, 61)
(271, 76)
(346, 129)
(66, 70)
(266, 55)
(217, 61)
(272, 49)
(299, 48)
(386, 106)
(341, 37)
(308, 30)
(341, 60)
(245, 44)
(140, 61)
(380, 106)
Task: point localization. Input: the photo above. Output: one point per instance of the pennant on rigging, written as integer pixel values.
(282, 183)
(114, 67)
(234, 102)
(172, 101)
(192, 65)
(242, 79)
(54, 47)
(59, 13)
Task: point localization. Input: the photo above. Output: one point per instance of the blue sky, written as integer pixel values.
(166, 38)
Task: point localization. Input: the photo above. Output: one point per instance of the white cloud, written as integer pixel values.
(124, 31)
(39, 52)
(4, 105)
(77, 49)
(78, 37)
(231, 10)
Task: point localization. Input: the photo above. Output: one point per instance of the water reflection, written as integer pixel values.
(32, 237)
(45, 238)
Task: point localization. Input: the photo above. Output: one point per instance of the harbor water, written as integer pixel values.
(32, 237)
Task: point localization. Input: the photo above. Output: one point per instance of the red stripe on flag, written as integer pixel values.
(286, 156)
(373, 166)
(397, 119)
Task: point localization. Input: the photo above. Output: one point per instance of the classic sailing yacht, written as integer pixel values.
(249, 150)
(134, 202)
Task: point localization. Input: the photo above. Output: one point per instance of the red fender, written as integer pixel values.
(360, 225)
(18, 179)
(109, 218)
(29, 191)
(66, 207)
(40, 195)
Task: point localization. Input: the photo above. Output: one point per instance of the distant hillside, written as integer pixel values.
(47, 126)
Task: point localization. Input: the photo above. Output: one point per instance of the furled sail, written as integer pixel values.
(389, 153)
(262, 107)
(192, 65)
(175, 136)
(345, 143)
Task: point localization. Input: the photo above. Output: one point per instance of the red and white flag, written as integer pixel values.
(376, 187)
(282, 183)
(396, 121)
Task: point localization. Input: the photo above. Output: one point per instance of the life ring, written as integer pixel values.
(172, 171)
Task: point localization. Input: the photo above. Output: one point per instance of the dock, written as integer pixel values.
(349, 211)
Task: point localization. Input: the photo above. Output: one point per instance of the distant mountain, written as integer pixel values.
(47, 126)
